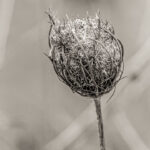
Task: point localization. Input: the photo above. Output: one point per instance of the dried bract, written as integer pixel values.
(86, 55)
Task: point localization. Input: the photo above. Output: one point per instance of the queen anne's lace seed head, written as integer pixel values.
(86, 55)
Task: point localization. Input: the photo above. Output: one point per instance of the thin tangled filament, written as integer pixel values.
(86, 55)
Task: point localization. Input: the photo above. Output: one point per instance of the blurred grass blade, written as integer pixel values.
(6, 11)
(128, 132)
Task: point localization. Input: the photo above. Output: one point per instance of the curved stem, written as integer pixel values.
(100, 123)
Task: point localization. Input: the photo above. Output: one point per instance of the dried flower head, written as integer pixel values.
(86, 55)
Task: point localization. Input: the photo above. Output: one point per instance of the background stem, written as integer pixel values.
(100, 123)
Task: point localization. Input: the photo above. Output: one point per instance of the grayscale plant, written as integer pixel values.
(87, 57)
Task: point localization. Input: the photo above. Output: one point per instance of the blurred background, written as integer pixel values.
(38, 112)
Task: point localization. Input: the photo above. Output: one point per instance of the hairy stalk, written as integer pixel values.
(100, 123)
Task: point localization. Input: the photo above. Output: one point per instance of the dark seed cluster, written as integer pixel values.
(86, 55)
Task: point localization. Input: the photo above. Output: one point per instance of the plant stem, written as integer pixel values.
(100, 123)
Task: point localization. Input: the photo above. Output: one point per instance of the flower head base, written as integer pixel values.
(86, 55)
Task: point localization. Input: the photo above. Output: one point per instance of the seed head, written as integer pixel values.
(86, 55)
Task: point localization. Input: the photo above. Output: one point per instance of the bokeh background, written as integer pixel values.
(37, 112)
